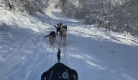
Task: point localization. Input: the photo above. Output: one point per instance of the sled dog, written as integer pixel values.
(52, 37)
(63, 36)
(58, 27)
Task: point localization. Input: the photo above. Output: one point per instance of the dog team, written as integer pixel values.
(61, 30)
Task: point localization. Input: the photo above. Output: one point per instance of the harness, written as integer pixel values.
(63, 35)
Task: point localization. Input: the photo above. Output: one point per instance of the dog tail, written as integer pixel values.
(55, 26)
(46, 36)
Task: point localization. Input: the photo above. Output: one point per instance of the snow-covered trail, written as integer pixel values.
(28, 59)
(94, 53)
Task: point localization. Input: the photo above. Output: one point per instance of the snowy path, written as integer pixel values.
(94, 53)
(28, 59)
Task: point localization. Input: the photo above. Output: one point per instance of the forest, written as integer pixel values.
(113, 15)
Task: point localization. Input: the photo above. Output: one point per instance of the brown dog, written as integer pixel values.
(63, 36)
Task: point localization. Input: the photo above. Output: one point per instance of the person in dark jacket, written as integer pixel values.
(60, 72)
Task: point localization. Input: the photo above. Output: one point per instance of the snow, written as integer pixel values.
(94, 53)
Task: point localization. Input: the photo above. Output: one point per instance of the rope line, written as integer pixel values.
(58, 43)
(51, 75)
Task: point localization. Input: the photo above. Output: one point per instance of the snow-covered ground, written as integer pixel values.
(94, 53)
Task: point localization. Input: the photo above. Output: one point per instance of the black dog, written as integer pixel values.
(52, 37)
(59, 26)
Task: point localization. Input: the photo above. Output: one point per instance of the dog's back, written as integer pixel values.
(65, 26)
(52, 34)
(63, 32)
